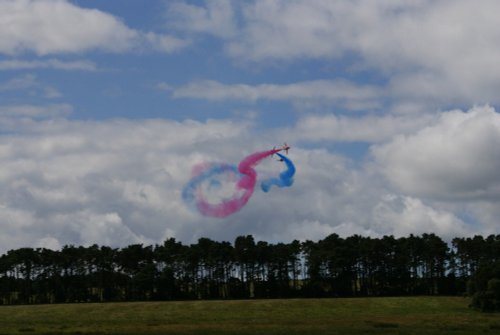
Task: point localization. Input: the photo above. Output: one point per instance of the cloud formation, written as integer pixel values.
(30, 83)
(383, 73)
(339, 92)
(57, 26)
(32, 112)
(217, 18)
(118, 182)
(443, 50)
(113, 182)
(17, 64)
(455, 158)
(368, 128)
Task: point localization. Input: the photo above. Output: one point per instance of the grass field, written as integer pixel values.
(414, 315)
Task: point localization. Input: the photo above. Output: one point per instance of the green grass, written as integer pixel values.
(413, 315)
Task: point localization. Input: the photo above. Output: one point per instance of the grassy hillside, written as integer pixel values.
(415, 315)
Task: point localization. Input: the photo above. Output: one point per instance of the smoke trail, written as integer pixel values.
(285, 178)
(203, 181)
(205, 178)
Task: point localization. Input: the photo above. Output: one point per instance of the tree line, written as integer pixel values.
(208, 269)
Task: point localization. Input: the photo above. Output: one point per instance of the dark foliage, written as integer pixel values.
(332, 267)
(484, 287)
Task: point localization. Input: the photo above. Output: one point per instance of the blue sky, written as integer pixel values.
(390, 109)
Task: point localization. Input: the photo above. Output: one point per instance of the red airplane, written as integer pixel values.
(285, 147)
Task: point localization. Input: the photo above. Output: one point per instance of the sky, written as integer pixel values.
(390, 109)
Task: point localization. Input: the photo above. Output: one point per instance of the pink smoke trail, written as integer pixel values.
(245, 184)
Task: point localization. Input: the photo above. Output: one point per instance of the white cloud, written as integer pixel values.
(390, 34)
(165, 43)
(370, 128)
(48, 243)
(484, 214)
(216, 18)
(16, 226)
(18, 119)
(114, 182)
(163, 86)
(120, 181)
(57, 26)
(407, 215)
(30, 83)
(340, 92)
(444, 51)
(51, 92)
(16, 64)
(35, 112)
(455, 158)
(117, 182)
(284, 30)
(19, 83)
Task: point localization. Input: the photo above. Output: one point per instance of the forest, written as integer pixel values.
(331, 267)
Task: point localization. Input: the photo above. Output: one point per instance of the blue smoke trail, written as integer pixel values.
(207, 173)
(285, 178)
